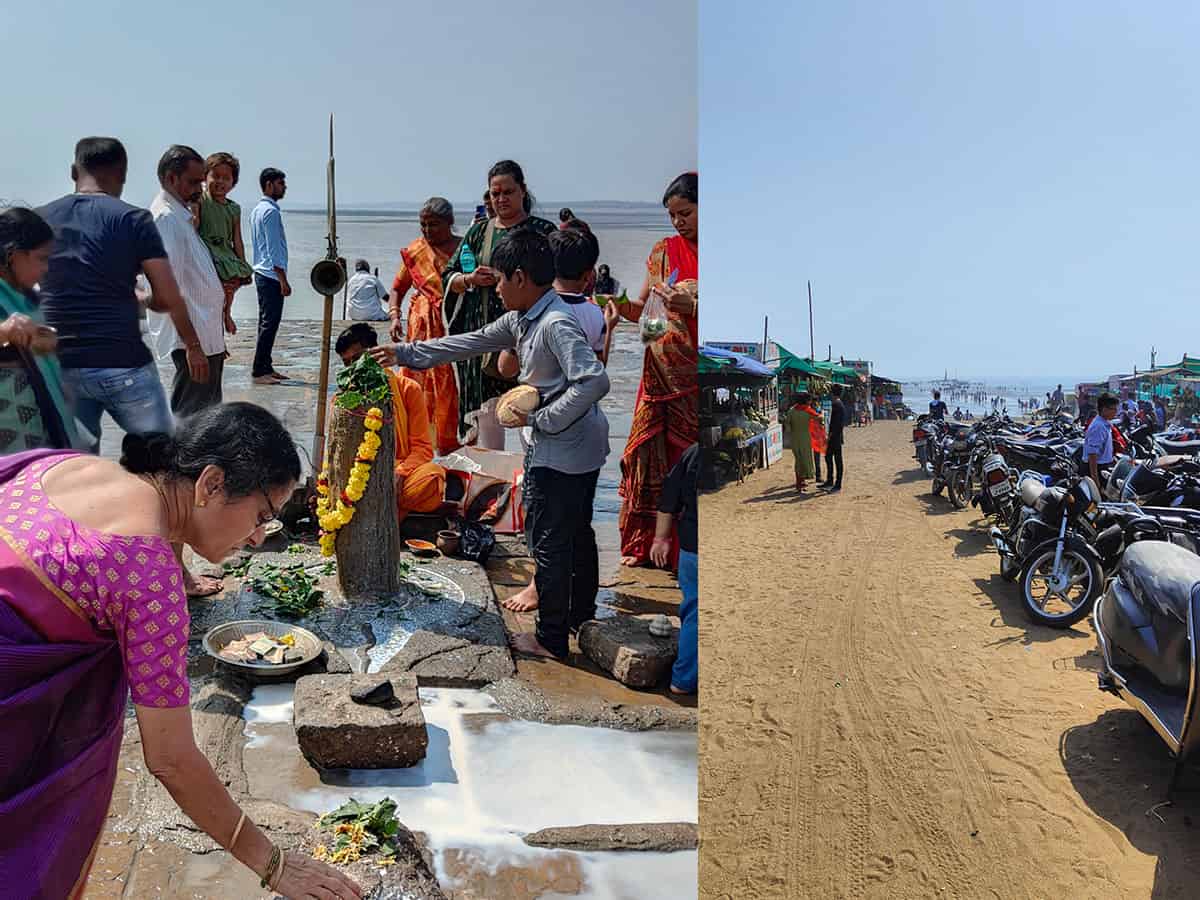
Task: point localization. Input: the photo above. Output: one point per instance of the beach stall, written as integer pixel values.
(887, 399)
(739, 421)
(794, 375)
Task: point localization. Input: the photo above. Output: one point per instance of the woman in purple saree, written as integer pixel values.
(92, 609)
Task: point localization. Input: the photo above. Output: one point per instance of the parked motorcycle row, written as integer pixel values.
(1125, 552)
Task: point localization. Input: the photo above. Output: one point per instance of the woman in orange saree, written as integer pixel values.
(665, 420)
(421, 265)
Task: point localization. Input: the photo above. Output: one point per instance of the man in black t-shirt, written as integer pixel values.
(88, 296)
(833, 446)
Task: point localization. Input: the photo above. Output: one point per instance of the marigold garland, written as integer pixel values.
(340, 515)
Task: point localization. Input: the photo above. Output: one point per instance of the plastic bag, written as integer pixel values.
(476, 542)
(653, 323)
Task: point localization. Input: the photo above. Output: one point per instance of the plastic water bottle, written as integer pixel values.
(467, 258)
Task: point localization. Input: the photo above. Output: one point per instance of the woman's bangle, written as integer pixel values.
(268, 875)
(237, 832)
(466, 281)
(279, 874)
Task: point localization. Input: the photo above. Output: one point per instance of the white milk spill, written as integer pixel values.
(488, 779)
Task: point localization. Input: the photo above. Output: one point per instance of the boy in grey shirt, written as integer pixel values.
(569, 432)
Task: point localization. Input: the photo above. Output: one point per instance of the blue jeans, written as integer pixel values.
(686, 673)
(270, 313)
(133, 397)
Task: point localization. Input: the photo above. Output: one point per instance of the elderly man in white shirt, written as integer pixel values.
(368, 295)
(181, 174)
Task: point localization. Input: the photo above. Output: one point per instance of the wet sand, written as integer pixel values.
(881, 719)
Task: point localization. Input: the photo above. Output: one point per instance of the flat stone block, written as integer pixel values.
(334, 732)
(624, 647)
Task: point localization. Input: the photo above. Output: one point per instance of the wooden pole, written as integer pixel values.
(318, 452)
(766, 319)
(812, 352)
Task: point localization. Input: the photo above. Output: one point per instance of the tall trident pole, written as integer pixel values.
(318, 454)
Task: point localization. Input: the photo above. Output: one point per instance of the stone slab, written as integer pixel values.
(409, 878)
(439, 660)
(624, 647)
(519, 699)
(656, 837)
(334, 732)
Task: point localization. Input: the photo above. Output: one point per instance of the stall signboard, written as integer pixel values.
(754, 351)
(773, 445)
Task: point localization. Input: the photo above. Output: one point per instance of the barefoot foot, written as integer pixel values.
(525, 601)
(196, 586)
(530, 646)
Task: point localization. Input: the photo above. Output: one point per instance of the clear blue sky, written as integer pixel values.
(597, 101)
(998, 188)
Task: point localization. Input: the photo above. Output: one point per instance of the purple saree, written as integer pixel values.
(63, 680)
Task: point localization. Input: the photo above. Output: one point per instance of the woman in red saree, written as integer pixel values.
(421, 265)
(93, 610)
(665, 420)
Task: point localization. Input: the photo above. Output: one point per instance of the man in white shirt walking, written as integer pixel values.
(368, 296)
(181, 174)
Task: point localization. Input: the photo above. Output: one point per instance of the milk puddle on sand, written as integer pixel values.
(488, 779)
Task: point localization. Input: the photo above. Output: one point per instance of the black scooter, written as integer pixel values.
(1148, 625)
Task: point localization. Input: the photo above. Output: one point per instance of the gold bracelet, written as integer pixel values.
(237, 831)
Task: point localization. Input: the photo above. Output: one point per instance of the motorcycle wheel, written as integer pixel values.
(1061, 609)
(956, 489)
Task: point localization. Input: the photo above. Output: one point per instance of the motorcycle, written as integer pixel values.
(1063, 544)
(951, 452)
(920, 440)
(1148, 628)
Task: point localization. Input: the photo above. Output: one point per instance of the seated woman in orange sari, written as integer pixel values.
(421, 264)
(665, 420)
(420, 482)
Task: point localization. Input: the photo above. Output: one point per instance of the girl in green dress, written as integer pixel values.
(221, 228)
(33, 409)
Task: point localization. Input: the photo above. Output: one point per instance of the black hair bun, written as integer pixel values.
(148, 454)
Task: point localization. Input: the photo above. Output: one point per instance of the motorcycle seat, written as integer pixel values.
(1031, 490)
(1161, 577)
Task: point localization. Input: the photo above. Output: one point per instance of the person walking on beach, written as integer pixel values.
(270, 272)
(677, 510)
(87, 294)
(837, 429)
(367, 295)
(181, 174)
(569, 432)
(798, 421)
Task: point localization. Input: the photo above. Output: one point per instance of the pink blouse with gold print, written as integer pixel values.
(128, 589)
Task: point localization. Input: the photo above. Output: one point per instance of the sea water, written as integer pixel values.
(626, 233)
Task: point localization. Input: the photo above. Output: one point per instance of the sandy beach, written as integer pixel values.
(881, 719)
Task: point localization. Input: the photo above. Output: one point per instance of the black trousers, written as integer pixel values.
(188, 397)
(833, 461)
(270, 313)
(558, 529)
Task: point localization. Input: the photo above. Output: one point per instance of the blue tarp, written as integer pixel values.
(743, 364)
